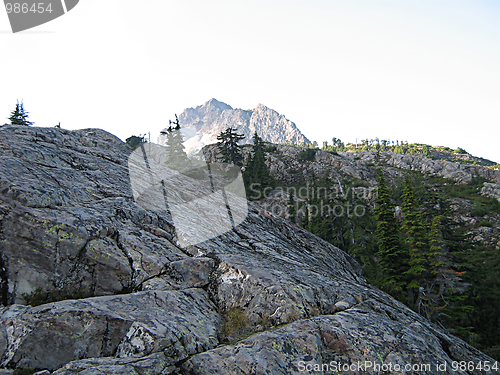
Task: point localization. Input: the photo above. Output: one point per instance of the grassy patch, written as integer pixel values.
(41, 297)
(236, 324)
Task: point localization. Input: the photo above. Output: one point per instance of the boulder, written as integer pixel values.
(176, 323)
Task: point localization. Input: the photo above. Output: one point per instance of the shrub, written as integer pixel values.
(360, 183)
(24, 371)
(270, 148)
(308, 154)
(41, 297)
(484, 223)
(134, 141)
(478, 211)
(236, 322)
(460, 150)
(493, 204)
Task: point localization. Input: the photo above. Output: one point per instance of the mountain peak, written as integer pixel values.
(218, 104)
(202, 124)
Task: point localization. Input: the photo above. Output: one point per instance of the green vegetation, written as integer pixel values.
(19, 116)
(400, 147)
(236, 325)
(229, 147)
(256, 174)
(460, 151)
(176, 157)
(41, 297)
(409, 246)
(392, 257)
(24, 371)
(484, 223)
(405, 239)
(471, 192)
(292, 209)
(134, 141)
(307, 154)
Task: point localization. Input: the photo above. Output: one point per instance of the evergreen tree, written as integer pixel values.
(134, 141)
(19, 116)
(420, 278)
(256, 175)
(416, 240)
(391, 255)
(320, 222)
(176, 157)
(229, 147)
(443, 281)
(306, 213)
(292, 209)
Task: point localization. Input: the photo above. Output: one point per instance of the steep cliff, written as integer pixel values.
(136, 302)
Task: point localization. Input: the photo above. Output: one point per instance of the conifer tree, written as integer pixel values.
(176, 157)
(306, 212)
(134, 141)
(415, 232)
(292, 209)
(19, 116)
(392, 257)
(436, 242)
(445, 288)
(256, 175)
(229, 147)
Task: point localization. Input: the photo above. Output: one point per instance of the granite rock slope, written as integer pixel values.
(68, 222)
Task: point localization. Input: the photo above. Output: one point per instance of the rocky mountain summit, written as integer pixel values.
(202, 124)
(266, 297)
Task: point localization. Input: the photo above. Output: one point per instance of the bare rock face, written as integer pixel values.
(68, 223)
(491, 190)
(462, 173)
(354, 341)
(202, 124)
(132, 325)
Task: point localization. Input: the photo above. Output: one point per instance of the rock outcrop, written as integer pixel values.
(202, 124)
(68, 222)
(285, 164)
(491, 190)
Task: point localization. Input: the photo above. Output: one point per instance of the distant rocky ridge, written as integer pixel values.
(202, 124)
(285, 164)
(68, 221)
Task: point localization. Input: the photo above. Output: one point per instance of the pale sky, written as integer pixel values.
(425, 71)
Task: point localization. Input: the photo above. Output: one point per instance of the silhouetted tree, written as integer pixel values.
(177, 158)
(134, 141)
(19, 116)
(229, 148)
